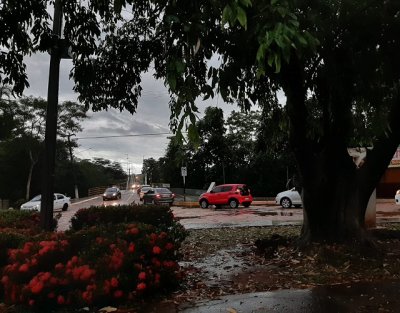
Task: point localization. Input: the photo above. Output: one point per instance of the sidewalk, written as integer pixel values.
(357, 297)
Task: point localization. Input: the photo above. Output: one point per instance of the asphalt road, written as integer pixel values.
(196, 218)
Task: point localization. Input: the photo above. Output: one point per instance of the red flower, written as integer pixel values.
(118, 294)
(106, 287)
(74, 259)
(5, 279)
(156, 262)
(24, 268)
(169, 246)
(163, 235)
(45, 277)
(134, 231)
(131, 248)
(34, 262)
(60, 300)
(141, 287)
(99, 240)
(27, 247)
(91, 287)
(169, 263)
(142, 276)
(37, 288)
(59, 266)
(114, 282)
(156, 250)
(87, 296)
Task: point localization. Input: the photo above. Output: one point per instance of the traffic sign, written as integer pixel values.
(184, 171)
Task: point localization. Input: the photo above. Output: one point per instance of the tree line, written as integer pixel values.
(246, 147)
(21, 151)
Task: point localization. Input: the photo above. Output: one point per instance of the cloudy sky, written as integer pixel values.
(152, 117)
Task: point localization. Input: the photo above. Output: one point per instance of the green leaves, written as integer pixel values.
(235, 12)
(280, 38)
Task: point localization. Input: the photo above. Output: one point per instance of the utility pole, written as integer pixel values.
(72, 165)
(127, 171)
(47, 200)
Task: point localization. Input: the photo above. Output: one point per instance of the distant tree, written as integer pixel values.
(24, 120)
(151, 169)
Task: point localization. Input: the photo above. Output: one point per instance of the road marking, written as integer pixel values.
(79, 202)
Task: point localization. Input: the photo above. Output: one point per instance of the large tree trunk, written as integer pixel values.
(334, 199)
(335, 192)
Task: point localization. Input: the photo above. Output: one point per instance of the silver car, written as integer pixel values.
(61, 202)
(288, 198)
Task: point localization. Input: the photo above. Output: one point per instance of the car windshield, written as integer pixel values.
(163, 190)
(146, 188)
(37, 198)
(111, 190)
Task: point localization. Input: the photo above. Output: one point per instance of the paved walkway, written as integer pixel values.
(355, 297)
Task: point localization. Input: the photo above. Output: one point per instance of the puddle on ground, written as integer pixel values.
(218, 269)
(262, 213)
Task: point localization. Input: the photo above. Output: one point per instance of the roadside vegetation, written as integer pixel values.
(111, 256)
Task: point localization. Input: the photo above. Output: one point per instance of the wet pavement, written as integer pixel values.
(264, 215)
(355, 297)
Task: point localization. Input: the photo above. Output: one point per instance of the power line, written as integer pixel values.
(121, 136)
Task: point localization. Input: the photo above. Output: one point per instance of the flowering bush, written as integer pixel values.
(26, 221)
(94, 266)
(160, 216)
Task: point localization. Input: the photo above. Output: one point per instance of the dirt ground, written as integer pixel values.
(227, 261)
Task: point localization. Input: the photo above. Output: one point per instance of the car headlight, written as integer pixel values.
(398, 192)
(114, 194)
(104, 194)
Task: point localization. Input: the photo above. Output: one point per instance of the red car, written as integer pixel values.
(229, 194)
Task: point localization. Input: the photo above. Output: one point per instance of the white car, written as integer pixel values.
(288, 198)
(61, 202)
(397, 197)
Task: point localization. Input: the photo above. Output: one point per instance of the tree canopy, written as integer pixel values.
(336, 62)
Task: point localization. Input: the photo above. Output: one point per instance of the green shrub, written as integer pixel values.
(101, 265)
(159, 216)
(23, 220)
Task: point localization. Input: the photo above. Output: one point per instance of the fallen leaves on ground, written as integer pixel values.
(226, 261)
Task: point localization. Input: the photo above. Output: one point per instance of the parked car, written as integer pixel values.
(288, 198)
(111, 193)
(228, 194)
(397, 197)
(158, 196)
(61, 202)
(143, 190)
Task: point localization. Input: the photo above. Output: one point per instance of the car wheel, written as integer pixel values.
(204, 204)
(65, 207)
(286, 203)
(246, 204)
(233, 204)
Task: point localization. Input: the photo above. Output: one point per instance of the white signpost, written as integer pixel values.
(184, 174)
